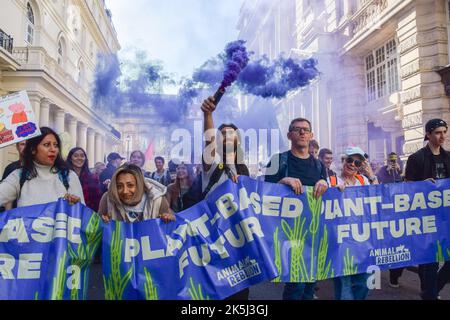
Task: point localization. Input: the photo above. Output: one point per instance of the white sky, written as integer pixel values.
(181, 33)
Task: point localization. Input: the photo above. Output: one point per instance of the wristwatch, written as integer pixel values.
(373, 179)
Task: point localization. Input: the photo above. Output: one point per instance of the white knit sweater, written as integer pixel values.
(45, 188)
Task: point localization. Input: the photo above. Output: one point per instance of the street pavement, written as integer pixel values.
(409, 288)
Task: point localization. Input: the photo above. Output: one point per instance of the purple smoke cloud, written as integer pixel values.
(236, 60)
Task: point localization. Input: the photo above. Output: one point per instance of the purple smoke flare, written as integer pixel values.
(261, 77)
(274, 79)
(236, 61)
(107, 73)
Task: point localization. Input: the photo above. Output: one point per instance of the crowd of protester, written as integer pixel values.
(123, 190)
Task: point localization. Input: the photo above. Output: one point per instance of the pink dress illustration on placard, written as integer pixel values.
(19, 115)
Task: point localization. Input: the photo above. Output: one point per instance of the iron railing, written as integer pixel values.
(6, 41)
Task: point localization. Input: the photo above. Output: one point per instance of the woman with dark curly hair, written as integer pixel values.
(78, 162)
(44, 176)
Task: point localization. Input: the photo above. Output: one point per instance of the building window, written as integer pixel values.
(91, 50)
(60, 53)
(30, 25)
(307, 7)
(83, 37)
(447, 5)
(382, 75)
(80, 75)
(339, 11)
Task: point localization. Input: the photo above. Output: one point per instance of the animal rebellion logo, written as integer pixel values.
(391, 255)
(239, 272)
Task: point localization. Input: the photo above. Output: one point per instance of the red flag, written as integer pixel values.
(149, 151)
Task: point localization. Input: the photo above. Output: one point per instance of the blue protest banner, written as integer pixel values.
(241, 235)
(252, 231)
(46, 251)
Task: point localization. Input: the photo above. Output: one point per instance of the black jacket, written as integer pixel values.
(105, 175)
(10, 168)
(420, 165)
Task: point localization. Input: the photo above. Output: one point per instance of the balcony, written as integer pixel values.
(7, 62)
(37, 59)
(368, 14)
(6, 41)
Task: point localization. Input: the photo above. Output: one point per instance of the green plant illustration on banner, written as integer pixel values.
(314, 206)
(36, 295)
(59, 280)
(322, 267)
(448, 253)
(85, 253)
(150, 289)
(298, 270)
(115, 284)
(196, 293)
(349, 265)
(277, 247)
(439, 253)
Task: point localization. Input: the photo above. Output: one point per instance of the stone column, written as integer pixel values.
(35, 102)
(73, 131)
(59, 121)
(422, 49)
(81, 138)
(350, 119)
(44, 114)
(90, 144)
(98, 148)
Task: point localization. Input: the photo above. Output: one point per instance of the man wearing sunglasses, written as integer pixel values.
(431, 163)
(353, 287)
(297, 168)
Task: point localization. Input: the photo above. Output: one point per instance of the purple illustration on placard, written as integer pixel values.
(26, 129)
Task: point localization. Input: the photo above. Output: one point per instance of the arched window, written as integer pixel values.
(80, 73)
(60, 53)
(91, 50)
(30, 25)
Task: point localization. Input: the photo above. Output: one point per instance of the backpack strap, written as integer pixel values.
(64, 178)
(360, 179)
(284, 167)
(23, 178)
(333, 181)
(218, 171)
(319, 166)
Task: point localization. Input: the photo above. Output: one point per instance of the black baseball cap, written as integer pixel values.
(114, 156)
(432, 125)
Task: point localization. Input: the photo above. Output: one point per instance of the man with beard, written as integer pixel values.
(222, 160)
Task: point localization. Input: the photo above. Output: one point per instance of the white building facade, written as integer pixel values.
(379, 63)
(50, 51)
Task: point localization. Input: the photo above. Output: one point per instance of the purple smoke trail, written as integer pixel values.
(262, 77)
(274, 79)
(236, 60)
(106, 78)
(211, 72)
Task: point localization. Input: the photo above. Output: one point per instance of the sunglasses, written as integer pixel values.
(358, 163)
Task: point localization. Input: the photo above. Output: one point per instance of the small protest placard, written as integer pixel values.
(17, 119)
